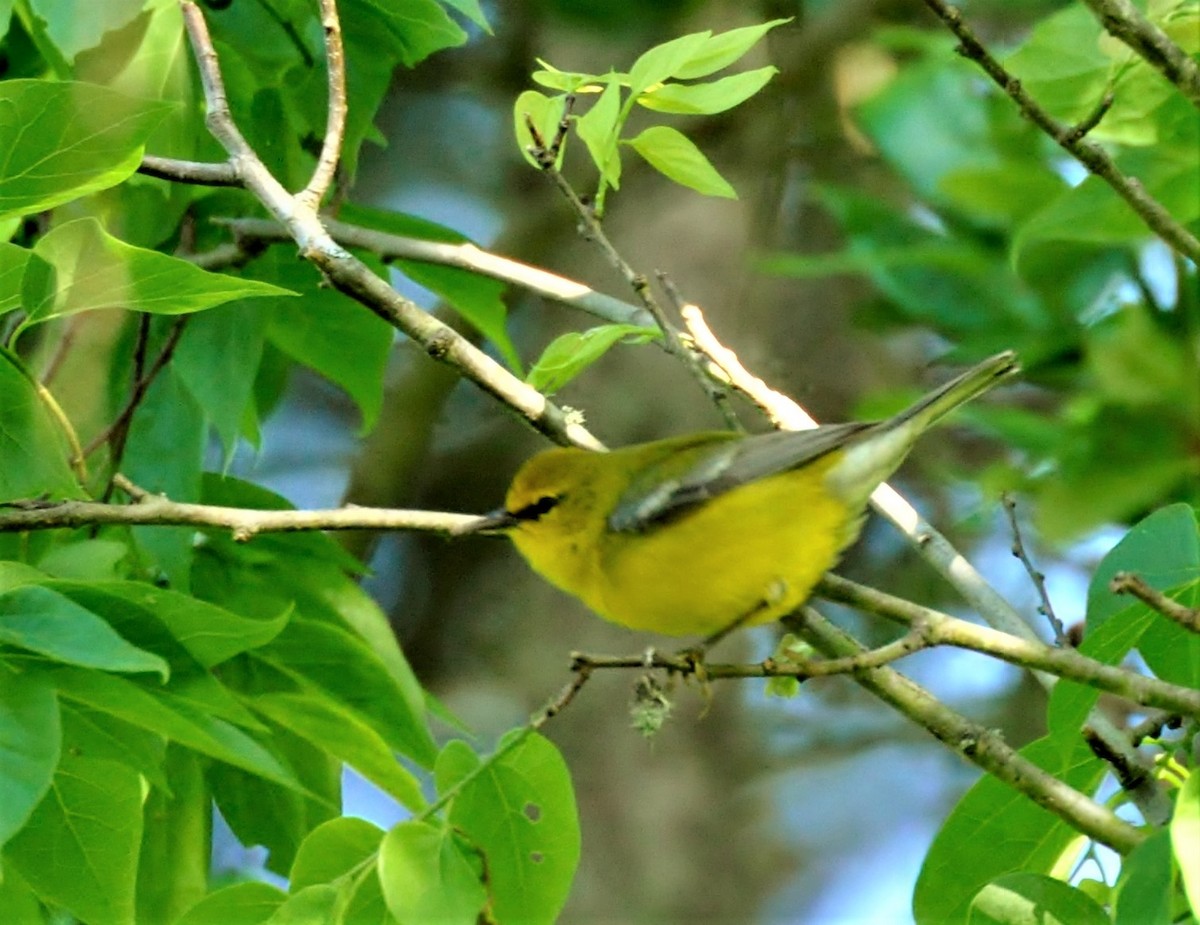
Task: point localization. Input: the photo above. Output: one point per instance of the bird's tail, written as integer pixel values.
(957, 391)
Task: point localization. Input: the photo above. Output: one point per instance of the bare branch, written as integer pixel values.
(465, 256)
(118, 430)
(1129, 583)
(1125, 22)
(981, 746)
(1046, 609)
(939, 629)
(243, 523)
(199, 173)
(335, 124)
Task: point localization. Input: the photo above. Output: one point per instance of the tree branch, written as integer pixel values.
(465, 256)
(1129, 583)
(1125, 22)
(352, 277)
(1157, 218)
(335, 124)
(244, 523)
(939, 629)
(198, 173)
(980, 746)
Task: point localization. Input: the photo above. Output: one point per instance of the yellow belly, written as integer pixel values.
(758, 548)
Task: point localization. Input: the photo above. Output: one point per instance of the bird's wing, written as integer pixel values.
(656, 498)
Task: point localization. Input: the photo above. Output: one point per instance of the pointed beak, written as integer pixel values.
(493, 523)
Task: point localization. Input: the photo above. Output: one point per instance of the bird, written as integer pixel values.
(702, 533)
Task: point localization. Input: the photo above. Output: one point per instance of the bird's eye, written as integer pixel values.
(536, 509)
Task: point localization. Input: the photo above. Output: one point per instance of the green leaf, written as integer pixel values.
(418, 27)
(88, 138)
(85, 560)
(707, 98)
(570, 354)
(52, 625)
(17, 900)
(308, 573)
(74, 27)
(1034, 899)
(665, 60)
(342, 734)
(333, 661)
(176, 842)
(279, 818)
(672, 154)
(598, 129)
(171, 717)
(330, 332)
(335, 849)
(477, 298)
(519, 812)
(80, 849)
(33, 451)
(928, 123)
(12, 268)
(93, 734)
(1092, 213)
(1185, 837)
(313, 905)
(1061, 64)
(332, 849)
(723, 49)
(545, 112)
(241, 904)
(30, 741)
(566, 81)
(217, 360)
(210, 634)
(472, 10)
(1164, 550)
(1146, 885)
(165, 455)
(131, 613)
(79, 267)
(995, 830)
(430, 877)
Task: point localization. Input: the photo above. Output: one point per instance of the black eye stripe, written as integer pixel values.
(536, 509)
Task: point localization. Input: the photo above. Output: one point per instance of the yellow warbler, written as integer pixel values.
(695, 534)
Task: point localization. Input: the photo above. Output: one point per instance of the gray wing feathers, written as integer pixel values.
(726, 467)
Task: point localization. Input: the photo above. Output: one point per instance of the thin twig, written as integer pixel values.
(552, 708)
(1153, 725)
(591, 229)
(696, 362)
(199, 173)
(335, 123)
(1125, 22)
(118, 431)
(464, 255)
(546, 157)
(686, 664)
(1088, 153)
(1129, 583)
(1133, 776)
(1090, 121)
(1046, 609)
